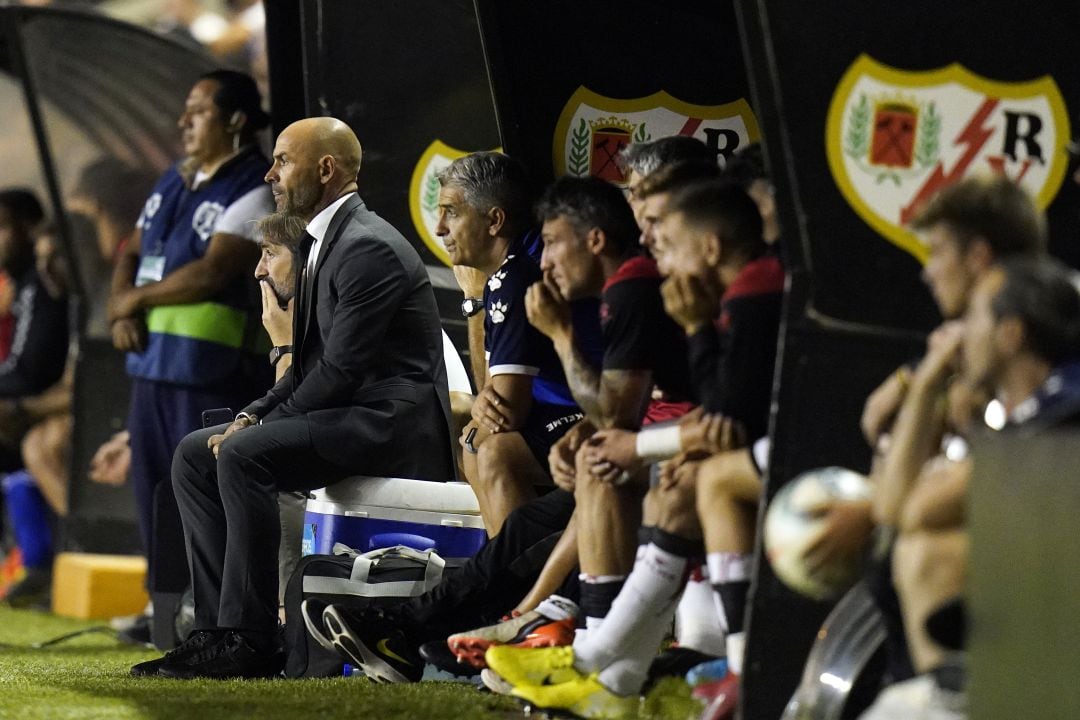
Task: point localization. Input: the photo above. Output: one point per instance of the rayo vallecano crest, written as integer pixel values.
(593, 129)
(894, 138)
(424, 193)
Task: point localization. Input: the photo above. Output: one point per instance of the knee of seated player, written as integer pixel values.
(585, 483)
(677, 507)
(731, 474)
(33, 445)
(503, 457)
(931, 561)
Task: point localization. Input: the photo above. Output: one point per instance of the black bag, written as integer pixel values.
(379, 578)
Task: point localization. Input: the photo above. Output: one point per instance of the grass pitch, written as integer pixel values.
(87, 678)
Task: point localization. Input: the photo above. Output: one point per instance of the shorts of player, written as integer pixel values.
(545, 425)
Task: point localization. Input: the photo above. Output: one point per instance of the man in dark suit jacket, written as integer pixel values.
(366, 394)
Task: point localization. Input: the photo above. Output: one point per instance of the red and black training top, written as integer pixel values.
(732, 362)
(639, 335)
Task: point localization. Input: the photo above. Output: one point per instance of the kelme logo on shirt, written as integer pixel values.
(205, 218)
(424, 194)
(593, 129)
(896, 137)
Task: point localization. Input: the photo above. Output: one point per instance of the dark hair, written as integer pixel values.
(118, 189)
(746, 166)
(237, 91)
(589, 203)
(283, 229)
(724, 208)
(493, 180)
(23, 206)
(994, 209)
(671, 177)
(1042, 293)
(644, 158)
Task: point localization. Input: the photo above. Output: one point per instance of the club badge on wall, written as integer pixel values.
(894, 138)
(424, 193)
(593, 129)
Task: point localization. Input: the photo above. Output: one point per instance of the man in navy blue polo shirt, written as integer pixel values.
(525, 405)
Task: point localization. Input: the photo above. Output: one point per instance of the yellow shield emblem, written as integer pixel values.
(593, 129)
(424, 194)
(894, 138)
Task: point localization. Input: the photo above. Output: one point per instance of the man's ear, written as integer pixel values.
(979, 256)
(596, 241)
(496, 221)
(1010, 335)
(327, 166)
(711, 248)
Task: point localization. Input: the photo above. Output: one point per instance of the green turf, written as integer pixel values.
(87, 678)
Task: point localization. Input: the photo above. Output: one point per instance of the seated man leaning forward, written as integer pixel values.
(366, 389)
(525, 405)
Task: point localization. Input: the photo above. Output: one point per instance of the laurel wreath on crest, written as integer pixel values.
(926, 147)
(640, 135)
(429, 200)
(579, 150)
(857, 139)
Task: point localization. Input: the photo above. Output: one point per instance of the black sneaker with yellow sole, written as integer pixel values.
(371, 642)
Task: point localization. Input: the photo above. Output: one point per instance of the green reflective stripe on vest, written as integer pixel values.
(207, 321)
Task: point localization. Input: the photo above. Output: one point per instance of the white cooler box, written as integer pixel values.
(354, 511)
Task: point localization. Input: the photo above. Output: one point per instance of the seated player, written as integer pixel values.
(525, 405)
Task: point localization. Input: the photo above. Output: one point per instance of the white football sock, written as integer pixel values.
(627, 674)
(649, 592)
(697, 622)
(736, 646)
(557, 607)
(726, 567)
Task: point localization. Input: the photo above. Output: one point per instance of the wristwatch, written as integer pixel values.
(277, 352)
(471, 306)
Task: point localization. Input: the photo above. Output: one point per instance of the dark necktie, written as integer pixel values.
(303, 297)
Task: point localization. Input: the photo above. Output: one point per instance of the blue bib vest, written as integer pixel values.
(205, 343)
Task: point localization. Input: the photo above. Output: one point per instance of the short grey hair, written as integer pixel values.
(644, 158)
(489, 180)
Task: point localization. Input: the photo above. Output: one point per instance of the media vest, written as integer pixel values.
(205, 343)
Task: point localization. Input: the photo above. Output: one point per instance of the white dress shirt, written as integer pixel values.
(317, 229)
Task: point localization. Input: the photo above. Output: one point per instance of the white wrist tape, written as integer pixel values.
(659, 443)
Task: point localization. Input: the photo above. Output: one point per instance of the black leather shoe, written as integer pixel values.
(196, 642)
(230, 657)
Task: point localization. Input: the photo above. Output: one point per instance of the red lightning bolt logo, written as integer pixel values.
(974, 136)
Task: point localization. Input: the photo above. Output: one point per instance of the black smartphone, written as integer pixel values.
(217, 416)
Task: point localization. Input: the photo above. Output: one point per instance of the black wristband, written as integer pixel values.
(277, 352)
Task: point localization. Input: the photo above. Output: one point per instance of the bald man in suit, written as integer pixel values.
(366, 395)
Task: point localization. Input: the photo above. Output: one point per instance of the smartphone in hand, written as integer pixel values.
(217, 416)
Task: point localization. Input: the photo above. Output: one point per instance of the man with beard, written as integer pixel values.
(366, 389)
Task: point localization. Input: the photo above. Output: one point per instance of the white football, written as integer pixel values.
(790, 527)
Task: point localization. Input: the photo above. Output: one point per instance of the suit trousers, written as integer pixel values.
(229, 509)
